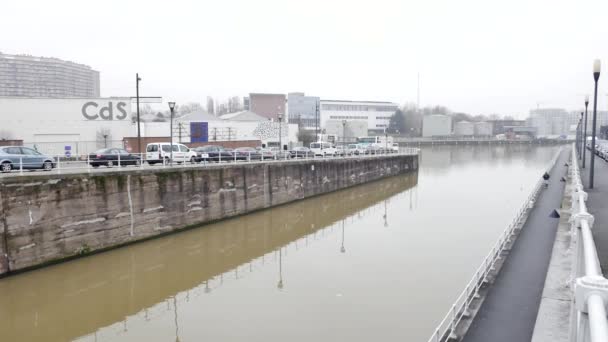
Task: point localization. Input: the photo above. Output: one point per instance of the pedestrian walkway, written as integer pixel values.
(597, 205)
(509, 310)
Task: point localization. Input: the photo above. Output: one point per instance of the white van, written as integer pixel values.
(321, 148)
(157, 152)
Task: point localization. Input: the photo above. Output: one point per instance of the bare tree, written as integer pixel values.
(104, 136)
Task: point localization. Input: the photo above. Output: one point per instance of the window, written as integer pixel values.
(13, 150)
(152, 148)
(183, 148)
(167, 148)
(29, 151)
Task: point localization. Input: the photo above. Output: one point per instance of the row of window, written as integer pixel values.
(352, 117)
(359, 108)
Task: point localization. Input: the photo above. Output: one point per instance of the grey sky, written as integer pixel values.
(476, 56)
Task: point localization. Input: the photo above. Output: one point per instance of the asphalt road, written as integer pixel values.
(509, 311)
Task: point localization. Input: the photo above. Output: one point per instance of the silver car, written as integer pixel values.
(20, 157)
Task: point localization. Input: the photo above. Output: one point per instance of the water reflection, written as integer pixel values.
(105, 294)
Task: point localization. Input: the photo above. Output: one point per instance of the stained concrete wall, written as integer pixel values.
(47, 218)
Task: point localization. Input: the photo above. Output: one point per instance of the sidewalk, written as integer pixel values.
(509, 310)
(597, 205)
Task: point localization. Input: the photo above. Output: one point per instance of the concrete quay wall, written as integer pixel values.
(48, 218)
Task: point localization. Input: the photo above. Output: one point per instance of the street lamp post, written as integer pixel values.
(137, 79)
(280, 140)
(581, 144)
(344, 133)
(585, 130)
(597, 66)
(172, 108)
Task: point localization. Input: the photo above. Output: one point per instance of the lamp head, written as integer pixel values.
(597, 67)
(586, 100)
(172, 105)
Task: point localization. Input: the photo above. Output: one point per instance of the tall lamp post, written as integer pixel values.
(280, 140)
(585, 130)
(581, 144)
(344, 134)
(172, 108)
(597, 66)
(137, 79)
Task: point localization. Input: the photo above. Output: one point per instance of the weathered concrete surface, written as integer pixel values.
(552, 321)
(49, 218)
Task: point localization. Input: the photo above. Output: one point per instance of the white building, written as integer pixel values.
(464, 128)
(483, 129)
(436, 125)
(348, 131)
(59, 125)
(201, 127)
(551, 122)
(377, 115)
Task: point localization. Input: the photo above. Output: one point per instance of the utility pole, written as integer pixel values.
(137, 79)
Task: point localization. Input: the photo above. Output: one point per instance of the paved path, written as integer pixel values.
(509, 311)
(597, 204)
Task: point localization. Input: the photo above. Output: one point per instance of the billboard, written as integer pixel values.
(199, 132)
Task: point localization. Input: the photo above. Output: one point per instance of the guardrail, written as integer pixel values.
(446, 329)
(589, 322)
(86, 163)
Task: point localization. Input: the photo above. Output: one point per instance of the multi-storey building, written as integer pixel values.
(303, 110)
(377, 115)
(29, 76)
(268, 105)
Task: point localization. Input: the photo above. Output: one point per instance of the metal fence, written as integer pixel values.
(75, 163)
(460, 309)
(588, 319)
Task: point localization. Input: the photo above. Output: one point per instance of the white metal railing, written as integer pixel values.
(446, 329)
(589, 322)
(19, 164)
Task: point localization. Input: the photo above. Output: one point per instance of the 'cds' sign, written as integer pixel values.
(93, 110)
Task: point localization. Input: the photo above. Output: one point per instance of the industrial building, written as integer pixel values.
(483, 129)
(375, 114)
(436, 125)
(29, 76)
(464, 129)
(268, 105)
(56, 125)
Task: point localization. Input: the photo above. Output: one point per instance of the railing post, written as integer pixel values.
(20, 165)
(88, 162)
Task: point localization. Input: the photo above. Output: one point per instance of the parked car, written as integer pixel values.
(212, 153)
(343, 151)
(267, 153)
(374, 149)
(301, 152)
(113, 156)
(159, 152)
(322, 149)
(247, 153)
(357, 148)
(20, 157)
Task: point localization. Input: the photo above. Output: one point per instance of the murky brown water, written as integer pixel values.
(383, 261)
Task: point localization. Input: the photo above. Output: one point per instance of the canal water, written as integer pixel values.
(383, 261)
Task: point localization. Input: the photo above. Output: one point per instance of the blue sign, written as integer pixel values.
(199, 132)
(68, 151)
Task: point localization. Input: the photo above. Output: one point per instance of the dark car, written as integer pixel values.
(20, 157)
(301, 152)
(247, 153)
(113, 156)
(212, 153)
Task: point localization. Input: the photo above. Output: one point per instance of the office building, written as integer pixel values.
(268, 105)
(377, 115)
(303, 110)
(43, 77)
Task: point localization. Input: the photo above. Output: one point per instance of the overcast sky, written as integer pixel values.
(475, 56)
